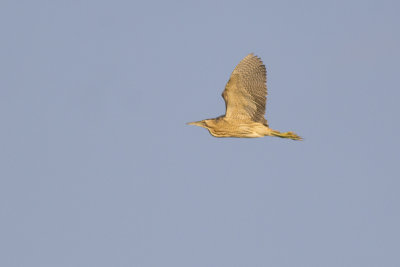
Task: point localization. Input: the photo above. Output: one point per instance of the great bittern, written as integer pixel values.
(245, 97)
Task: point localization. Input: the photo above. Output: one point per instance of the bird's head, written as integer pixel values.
(198, 123)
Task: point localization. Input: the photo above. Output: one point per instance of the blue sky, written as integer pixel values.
(98, 167)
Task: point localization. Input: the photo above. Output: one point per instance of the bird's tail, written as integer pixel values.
(290, 135)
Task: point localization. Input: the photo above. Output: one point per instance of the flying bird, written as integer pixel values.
(245, 97)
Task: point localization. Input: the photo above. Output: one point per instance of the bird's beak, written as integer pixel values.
(197, 123)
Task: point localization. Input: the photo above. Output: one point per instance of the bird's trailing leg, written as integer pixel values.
(290, 135)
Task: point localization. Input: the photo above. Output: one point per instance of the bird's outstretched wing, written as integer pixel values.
(245, 93)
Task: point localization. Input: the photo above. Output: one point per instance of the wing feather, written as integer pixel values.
(245, 93)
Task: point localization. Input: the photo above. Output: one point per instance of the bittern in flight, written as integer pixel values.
(245, 97)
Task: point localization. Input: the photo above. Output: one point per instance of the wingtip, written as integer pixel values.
(253, 55)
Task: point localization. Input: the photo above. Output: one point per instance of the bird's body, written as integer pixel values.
(223, 127)
(245, 99)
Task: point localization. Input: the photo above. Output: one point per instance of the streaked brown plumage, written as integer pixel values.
(245, 97)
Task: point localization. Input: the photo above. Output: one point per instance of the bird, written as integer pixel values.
(245, 98)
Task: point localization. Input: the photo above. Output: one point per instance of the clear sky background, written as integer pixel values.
(98, 167)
